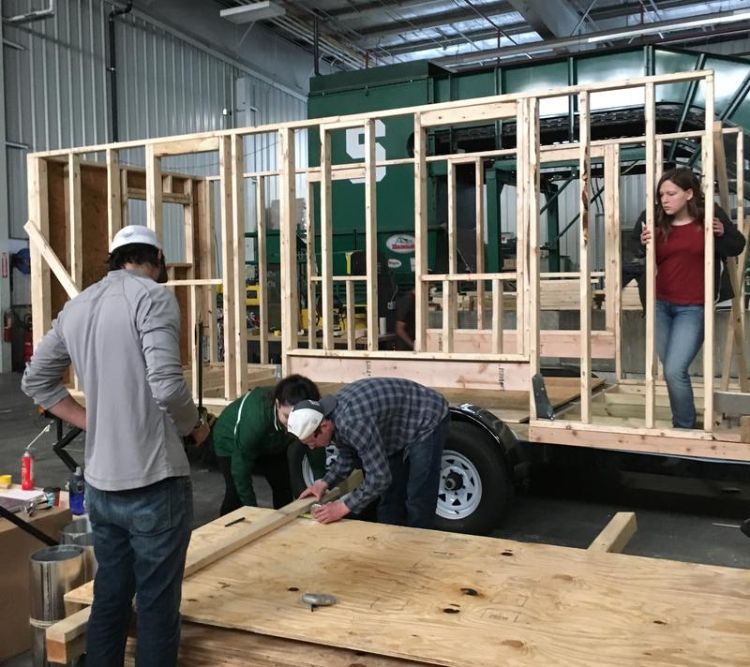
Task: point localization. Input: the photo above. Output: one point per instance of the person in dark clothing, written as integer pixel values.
(405, 321)
(680, 265)
(391, 428)
(250, 437)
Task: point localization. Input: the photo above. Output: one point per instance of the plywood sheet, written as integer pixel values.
(206, 646)
(460, 600)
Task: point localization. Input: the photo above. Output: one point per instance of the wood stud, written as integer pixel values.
(651, 194)
(586, 224)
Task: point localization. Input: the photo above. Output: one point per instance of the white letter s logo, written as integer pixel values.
(355, 147)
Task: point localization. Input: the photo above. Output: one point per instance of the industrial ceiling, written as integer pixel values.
(353, 34)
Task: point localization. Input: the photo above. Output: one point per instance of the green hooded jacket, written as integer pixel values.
(258, 434)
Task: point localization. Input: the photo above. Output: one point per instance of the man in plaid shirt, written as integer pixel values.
(394, 430)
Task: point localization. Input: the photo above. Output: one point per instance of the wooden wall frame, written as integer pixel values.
(496, 358)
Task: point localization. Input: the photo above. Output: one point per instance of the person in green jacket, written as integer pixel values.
(250, 437)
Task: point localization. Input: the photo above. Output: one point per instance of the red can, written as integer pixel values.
(27, 471)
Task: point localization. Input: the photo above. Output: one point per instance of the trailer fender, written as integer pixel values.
(495, 427)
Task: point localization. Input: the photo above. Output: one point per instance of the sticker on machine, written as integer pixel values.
(394, 263)
(401, 243)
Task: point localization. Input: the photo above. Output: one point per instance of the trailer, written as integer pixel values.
(484, 333)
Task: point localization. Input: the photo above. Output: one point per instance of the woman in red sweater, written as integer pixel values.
(680, 265)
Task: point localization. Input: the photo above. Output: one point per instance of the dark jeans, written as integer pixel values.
(411, 498)
(140, 541)
(276, 471)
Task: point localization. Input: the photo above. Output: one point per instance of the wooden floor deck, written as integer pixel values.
(448, 599)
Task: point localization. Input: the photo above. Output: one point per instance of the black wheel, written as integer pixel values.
(475, 488)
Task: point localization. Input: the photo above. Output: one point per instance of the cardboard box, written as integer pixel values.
(16, 547)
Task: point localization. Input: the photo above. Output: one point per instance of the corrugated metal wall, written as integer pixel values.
(632, 191)
(56, 84)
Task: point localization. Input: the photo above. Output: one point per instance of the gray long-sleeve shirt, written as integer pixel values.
(122, 337)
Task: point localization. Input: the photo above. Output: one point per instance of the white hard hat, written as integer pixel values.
(134, 234)
(306, 416)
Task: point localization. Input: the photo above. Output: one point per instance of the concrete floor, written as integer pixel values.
(687, 517)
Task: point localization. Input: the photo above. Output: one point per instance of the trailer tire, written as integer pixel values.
(475, 487)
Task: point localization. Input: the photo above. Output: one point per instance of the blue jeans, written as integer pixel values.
(679, 336)
(411, 498)
(140, 541)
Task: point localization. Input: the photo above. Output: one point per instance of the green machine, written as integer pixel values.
(371, 90)
(419, 83)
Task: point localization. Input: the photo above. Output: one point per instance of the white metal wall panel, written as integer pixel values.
(56, 93)
(632, 196)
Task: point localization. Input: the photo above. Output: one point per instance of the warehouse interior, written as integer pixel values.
(169, 87)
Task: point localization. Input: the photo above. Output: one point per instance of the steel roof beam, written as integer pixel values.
(404, 47)
(549, 23)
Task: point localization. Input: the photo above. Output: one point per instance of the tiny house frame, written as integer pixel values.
(78, 199)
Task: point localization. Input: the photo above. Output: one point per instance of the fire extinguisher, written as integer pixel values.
(27, 470)
(7, 326)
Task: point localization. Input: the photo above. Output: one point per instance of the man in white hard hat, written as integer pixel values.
(394, 429)
(121, 336)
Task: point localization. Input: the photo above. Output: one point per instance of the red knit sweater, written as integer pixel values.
(680, 265)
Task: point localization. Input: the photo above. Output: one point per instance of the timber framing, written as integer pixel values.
(77, 203)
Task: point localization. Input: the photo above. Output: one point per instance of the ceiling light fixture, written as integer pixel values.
(639, 31)
(256, 11)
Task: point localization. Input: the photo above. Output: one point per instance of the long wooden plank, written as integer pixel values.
(245, 533)
(288, 240)
(239, 310)
(261, 257)
(40, 245)
(616, 533)
(584, 175)
(66, 639)
(532, 172)
(229, 292)
(326, 239)
(522, 233)
(619, 437)
(651, 368)
(114, 194)
(186, 145)
(421, 288)
(371, 237)
(75, 224)
(41, 298)
(154, 193)
(166, 197)
(707, 168)
(484, 111)
(479, 230)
